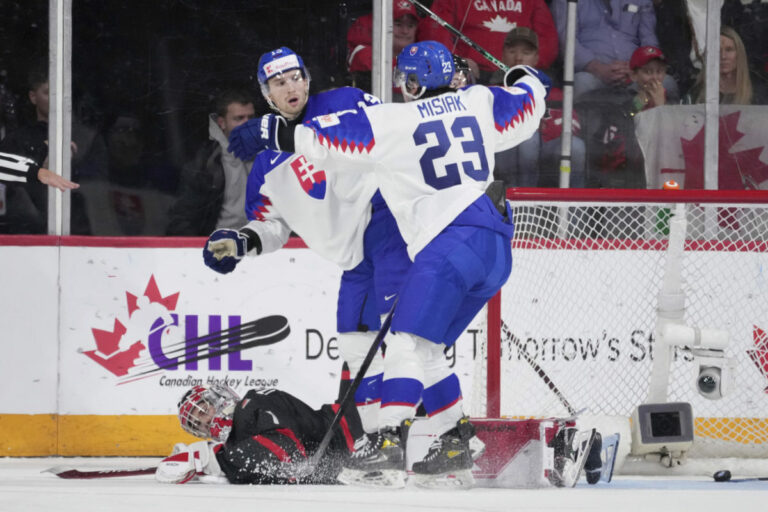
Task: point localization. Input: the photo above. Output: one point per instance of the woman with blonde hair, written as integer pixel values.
(735, 82)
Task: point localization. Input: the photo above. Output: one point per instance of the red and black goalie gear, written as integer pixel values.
(268, 458)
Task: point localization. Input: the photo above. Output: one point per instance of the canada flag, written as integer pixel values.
(311, 178)
(672, 140)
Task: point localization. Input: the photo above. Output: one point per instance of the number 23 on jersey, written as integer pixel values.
(463, 130)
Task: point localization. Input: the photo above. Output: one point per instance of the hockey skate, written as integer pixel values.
(448, 463)
(378, 461)
(572, 447)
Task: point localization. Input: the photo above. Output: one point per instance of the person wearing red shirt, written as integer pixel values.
(359, 39)
(487, 22)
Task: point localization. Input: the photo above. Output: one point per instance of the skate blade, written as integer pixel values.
(392, 478)
(461, 479)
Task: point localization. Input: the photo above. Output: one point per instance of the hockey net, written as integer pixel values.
(580, 308)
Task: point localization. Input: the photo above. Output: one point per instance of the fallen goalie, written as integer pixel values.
(263, 438)
(268, 436)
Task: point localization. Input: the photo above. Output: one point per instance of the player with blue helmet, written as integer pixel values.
(423, 66)
(284, 81)
(345, 220)
(433, 158)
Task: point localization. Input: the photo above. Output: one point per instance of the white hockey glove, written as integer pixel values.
(188, 462)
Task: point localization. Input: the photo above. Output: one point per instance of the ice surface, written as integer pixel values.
(24, 488)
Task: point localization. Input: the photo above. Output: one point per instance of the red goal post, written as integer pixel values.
(581, 303)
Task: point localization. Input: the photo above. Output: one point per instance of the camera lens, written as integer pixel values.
(707, 383)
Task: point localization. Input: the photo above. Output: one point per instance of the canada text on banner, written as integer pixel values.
(672, 140)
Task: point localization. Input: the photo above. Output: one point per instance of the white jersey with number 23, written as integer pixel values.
(432, 157)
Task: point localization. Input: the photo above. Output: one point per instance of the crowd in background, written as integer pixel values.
(157, 86)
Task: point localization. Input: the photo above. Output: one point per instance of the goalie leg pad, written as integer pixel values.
(594, 464)
(571, 450)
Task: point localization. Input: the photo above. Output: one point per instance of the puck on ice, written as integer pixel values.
(722, 476)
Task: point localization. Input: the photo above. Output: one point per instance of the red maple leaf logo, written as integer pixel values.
(759, 354)
(108, 351)
(736, 171)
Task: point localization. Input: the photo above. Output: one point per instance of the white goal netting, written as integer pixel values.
(581, 303)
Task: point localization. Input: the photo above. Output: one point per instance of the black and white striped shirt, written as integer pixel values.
(16, 168)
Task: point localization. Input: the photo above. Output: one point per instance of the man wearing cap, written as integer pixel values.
(607, 33)
(618, 157)
(536, 162)
(648, 67)
(405, 19)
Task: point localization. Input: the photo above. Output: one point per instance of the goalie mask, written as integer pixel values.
(206, 411)
(423, 66)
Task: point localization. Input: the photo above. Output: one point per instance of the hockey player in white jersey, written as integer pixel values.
(433, 159)
(287, 192)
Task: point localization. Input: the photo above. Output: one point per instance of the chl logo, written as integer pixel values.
(311, 178)
(151, 323)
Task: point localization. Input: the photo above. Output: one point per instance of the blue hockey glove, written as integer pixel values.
(253, 137)
(515, 73)
(224, 250)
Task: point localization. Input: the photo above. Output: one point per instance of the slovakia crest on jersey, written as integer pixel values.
(311, 178)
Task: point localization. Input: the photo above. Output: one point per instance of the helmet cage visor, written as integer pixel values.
(409, 84)
(203, 410)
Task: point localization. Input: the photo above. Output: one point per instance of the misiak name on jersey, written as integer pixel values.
(441, 105)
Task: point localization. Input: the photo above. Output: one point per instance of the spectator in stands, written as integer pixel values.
(405, 20)
(536, 162)
(616, 153)
(736, 84)
(27, 203)
(607, 33)
(487, 24)
(29, 214)
(213, 185)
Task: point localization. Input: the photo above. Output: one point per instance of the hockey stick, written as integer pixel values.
(307, 468)
(539, 370)
(77, 474)
(479, 49)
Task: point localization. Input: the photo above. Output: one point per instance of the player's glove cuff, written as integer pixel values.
(275, 133)
(253, 241)
(515, 73)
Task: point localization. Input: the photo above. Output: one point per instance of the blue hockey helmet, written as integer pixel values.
(277, 62)
(426, 64)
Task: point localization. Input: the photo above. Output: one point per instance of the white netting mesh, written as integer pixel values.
(582, 298)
